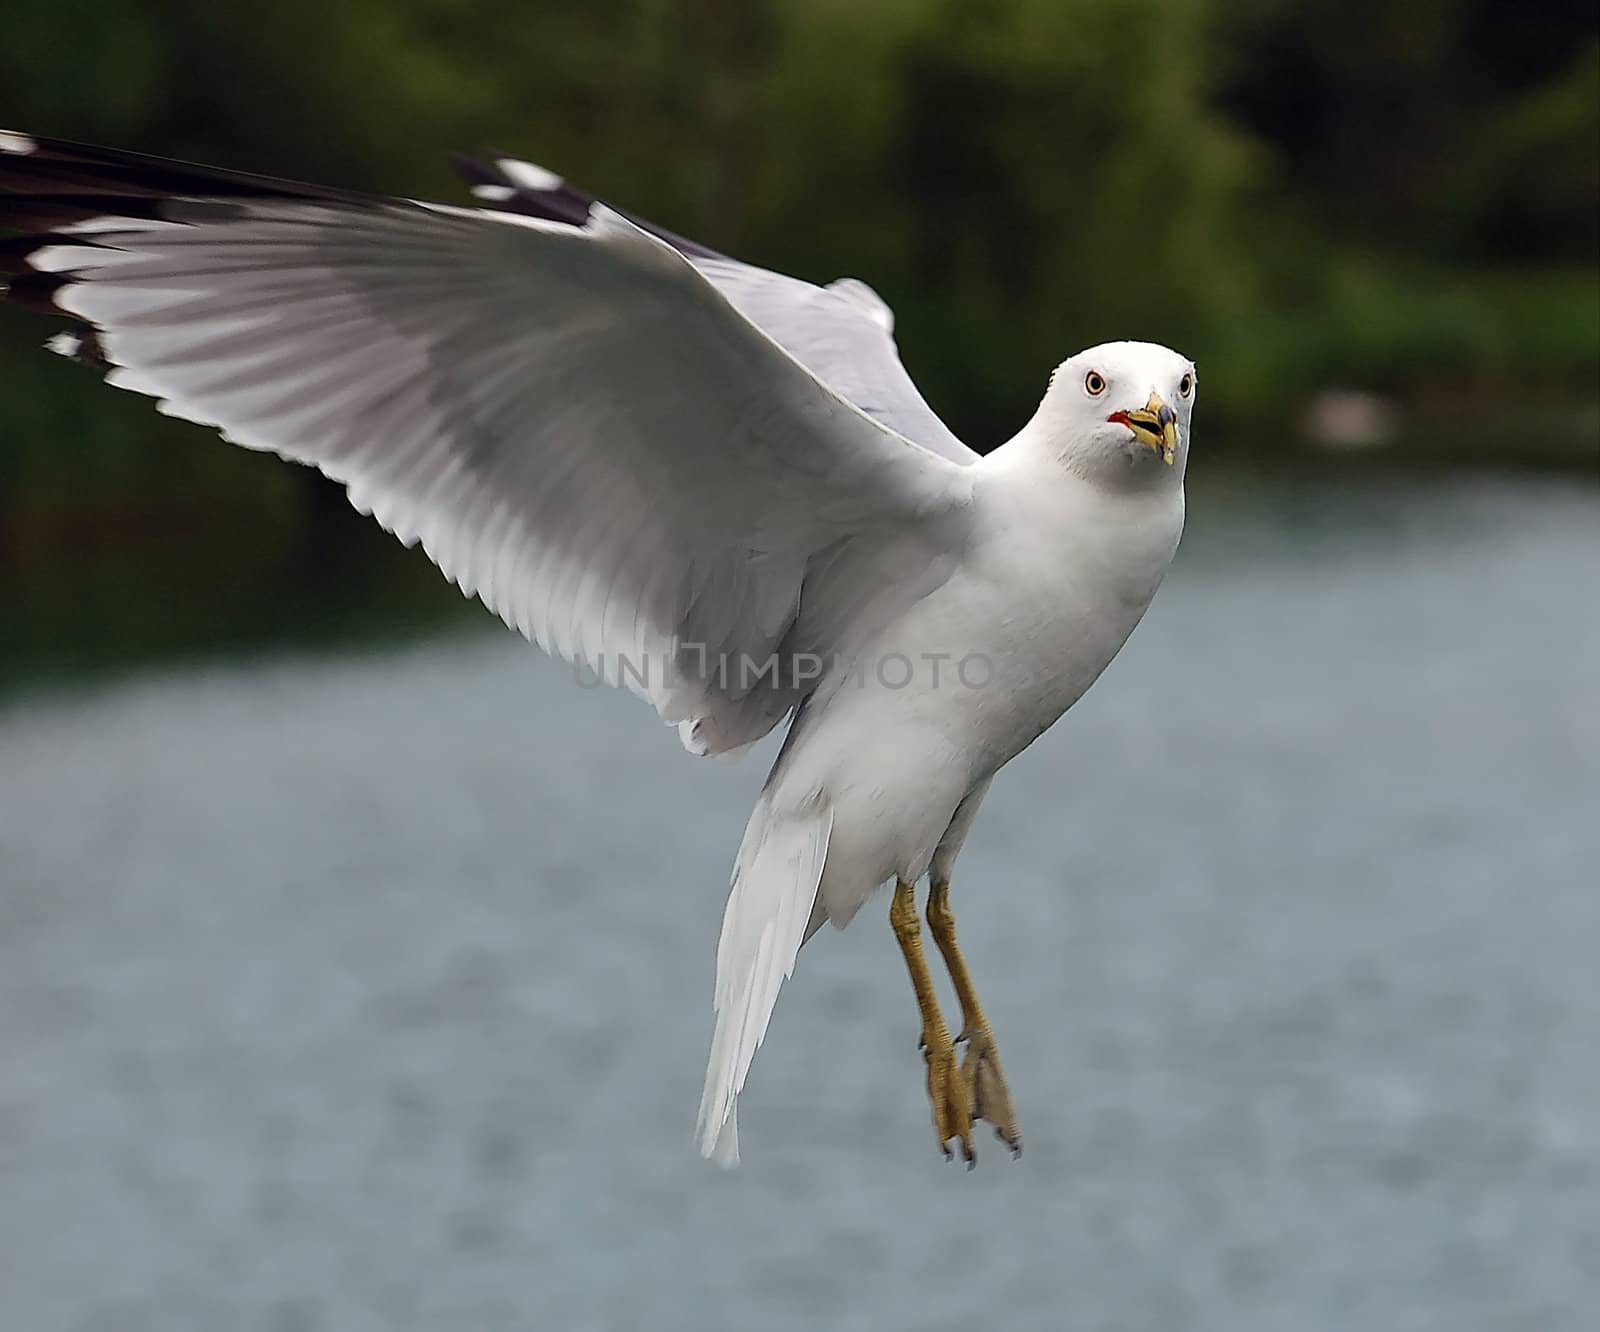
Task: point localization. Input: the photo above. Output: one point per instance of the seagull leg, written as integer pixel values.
(948, 1089)
(986, 1084)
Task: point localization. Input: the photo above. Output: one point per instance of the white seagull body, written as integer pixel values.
(710, 484)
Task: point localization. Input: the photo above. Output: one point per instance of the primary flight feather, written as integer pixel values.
(708, 483)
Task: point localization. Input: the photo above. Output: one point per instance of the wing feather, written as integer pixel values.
(575, 422)
(843, 332)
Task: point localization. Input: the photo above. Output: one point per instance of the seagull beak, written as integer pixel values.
(1155, 425)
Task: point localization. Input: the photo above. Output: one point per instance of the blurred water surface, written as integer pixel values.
(372, 991)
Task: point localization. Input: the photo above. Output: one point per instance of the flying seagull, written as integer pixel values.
(711, 484)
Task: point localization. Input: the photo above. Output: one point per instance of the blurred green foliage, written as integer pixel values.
(1403, 198)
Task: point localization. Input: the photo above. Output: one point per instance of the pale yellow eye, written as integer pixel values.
(1094, 383)
(1186, 386)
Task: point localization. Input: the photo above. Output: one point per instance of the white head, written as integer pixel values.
(1120, 411)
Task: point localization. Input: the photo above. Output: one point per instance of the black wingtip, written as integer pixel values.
(81, 344)
(83, 180)
(35, 291)
(474, 172)
(499, 189)
(50, 184)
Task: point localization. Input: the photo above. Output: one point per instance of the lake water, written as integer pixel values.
(373, 991)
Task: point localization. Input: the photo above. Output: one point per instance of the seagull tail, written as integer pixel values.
(775, 882)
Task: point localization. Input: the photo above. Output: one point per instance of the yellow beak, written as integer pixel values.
(1155, 425)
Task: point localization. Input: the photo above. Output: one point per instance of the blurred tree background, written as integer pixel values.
(1393, 204)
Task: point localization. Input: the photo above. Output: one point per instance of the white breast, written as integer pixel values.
(1061, 575)
(936, 702)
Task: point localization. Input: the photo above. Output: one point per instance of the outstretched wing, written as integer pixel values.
(570, 418)
(843, 332)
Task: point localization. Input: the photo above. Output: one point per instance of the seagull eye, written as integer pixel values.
(1186, 386)
(1095, 383)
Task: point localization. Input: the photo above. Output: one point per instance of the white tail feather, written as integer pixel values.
(774, 886)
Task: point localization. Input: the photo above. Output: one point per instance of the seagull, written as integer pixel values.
(707, 483)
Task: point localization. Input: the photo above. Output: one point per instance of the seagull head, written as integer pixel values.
(1121, 407)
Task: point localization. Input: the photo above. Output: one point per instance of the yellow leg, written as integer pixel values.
(980, 1070)
(948, 1089)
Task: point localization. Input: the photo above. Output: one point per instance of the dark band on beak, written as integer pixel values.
(1155, 425)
